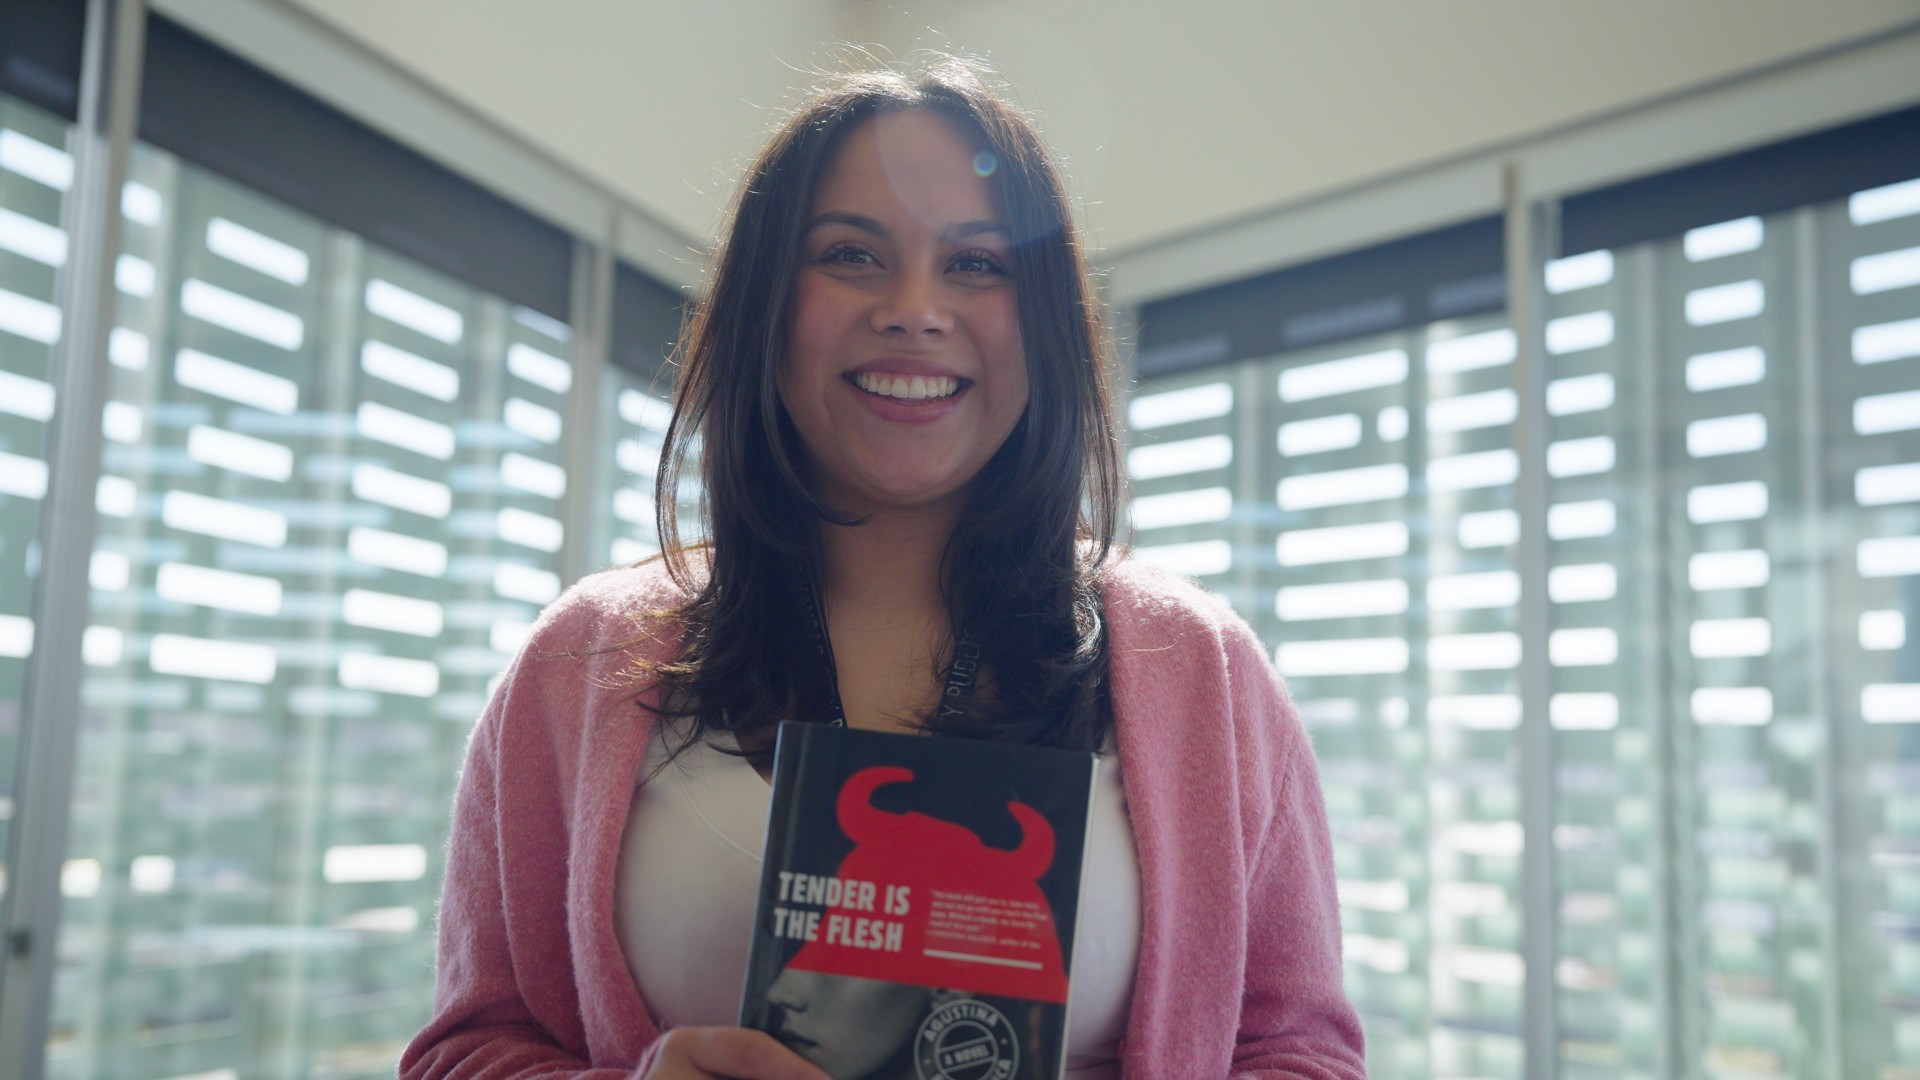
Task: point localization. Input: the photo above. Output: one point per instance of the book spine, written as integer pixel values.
(793, 741)
(1079, 906)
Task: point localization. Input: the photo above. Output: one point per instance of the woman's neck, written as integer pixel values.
(886, 619)
(885, 572)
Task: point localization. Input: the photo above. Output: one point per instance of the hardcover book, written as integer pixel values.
(917, 904)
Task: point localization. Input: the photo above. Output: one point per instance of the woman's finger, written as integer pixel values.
(738, 1053)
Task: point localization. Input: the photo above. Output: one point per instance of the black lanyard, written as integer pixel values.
(962, 674)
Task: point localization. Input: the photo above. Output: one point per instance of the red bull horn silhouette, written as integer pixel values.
(925, 901)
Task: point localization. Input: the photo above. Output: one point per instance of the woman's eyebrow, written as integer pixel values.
(858, 221)
(952, 234)
(966, 230)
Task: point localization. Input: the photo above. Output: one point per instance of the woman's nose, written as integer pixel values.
(912, 306)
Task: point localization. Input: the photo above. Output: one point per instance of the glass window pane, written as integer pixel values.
(1355, 502)
(1733, 520)
(35, 173)
(1869, 435)
(1734, 833)
(1605, 703)
(634, 414)
(634, 419)
(1183, 473)
(330, 514)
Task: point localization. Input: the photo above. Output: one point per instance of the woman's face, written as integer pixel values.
(847, 1026)
(904, 369)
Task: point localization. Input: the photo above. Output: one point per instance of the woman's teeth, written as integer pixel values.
(907, 387)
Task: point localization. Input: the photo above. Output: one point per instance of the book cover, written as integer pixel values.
(917, 904)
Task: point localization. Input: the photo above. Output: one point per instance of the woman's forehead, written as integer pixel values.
(909, 169)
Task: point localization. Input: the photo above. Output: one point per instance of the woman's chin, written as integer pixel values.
(915, 492)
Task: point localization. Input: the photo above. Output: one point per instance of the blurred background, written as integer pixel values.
(1542, 381)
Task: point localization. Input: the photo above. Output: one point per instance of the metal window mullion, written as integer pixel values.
(1416, 568)
(1645, 557)
(1530, 231)
(1817, 563)
(50, 702)
(1253, 423)
(581, 439)
(1123, 321)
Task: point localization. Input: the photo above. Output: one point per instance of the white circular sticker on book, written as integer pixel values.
(965, 1040)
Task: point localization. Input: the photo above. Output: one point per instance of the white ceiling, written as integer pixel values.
(1171, 117)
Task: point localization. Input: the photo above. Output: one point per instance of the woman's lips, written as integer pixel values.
(905, 365)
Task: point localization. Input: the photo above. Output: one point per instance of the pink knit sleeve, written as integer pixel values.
(483, 1025)
(1295, 1020)
(529, 981)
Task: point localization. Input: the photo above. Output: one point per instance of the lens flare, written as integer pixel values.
(985, 162)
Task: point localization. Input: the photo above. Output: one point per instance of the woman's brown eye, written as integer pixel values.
(851, 256)
(976, 264)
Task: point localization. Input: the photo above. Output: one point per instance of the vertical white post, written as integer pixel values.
(1530, 233)
(1816, 559)
(583, 550)
(50, 703)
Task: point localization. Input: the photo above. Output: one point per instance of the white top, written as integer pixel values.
(686, 934)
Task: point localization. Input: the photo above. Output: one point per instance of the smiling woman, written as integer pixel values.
(897, 382)
(895, 229)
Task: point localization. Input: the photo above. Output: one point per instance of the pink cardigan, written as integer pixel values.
(1239, 963)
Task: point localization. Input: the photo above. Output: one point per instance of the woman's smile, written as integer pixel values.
(917, 388)
(903, 390)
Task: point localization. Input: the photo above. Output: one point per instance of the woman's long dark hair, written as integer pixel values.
(1019, 572)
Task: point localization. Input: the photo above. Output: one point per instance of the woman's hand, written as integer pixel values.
(709, 1053)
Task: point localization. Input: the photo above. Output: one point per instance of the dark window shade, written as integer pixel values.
(218, 111)
(1815, 168)
(40, 47)
(1445, 274)
(646, 323)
